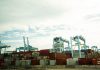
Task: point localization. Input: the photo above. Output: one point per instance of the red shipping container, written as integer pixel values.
(82, 61)
(44, 52)
(60, 61)
(94, 61)
(1, 61)
(1, 64)
(68, 55)
(88, 61)
(35, 62)
(52, 56)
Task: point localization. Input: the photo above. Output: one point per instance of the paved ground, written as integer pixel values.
(57, 67)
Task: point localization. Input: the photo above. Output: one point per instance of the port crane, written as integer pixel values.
(95, 48)
(58, 44)
(3, 46)
(26, 47)
(78, 43)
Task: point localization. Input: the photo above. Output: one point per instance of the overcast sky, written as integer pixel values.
(42, 20)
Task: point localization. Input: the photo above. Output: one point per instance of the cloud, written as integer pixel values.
(50, 18)
(93, 18)
(30, 32)
(21, 10)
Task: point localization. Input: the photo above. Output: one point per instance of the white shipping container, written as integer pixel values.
(76, 55)
(52, 62)
(72, 61)
(25, 62)
(98, 62)
(44, 62)
(17, 63)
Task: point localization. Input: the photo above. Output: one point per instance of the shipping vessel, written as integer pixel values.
(58, 57)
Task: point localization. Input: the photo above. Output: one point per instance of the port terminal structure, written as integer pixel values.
(58, 44)
(27, 46)
(59, 54)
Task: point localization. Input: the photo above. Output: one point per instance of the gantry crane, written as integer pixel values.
(3, 46)
(58, 43)
(94, 48)
(26, 47)
(78, 43)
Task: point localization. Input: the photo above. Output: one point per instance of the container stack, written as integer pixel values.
(68, 55)
(98, 61)
(58, 58)
(17, 64)
(1, 62)
(52, 62)
(82, 61)
(35, 62)
(61, 61)
(25, 63)
(51, 50)
(44, 52)
(72, 61)
(44, 62)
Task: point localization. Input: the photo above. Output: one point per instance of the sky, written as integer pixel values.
(42, 20)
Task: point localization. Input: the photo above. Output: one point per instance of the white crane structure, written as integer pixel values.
(78, 43)
(2, 45)
(58, 44)
(95, 48)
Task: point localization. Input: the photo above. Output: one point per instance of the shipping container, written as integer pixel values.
(60, 61)
(44, 62)
(52, 62)
(88, 55)
(35, 62)
(17, 63)
(1, 62)
(68, 55)
(94, 61)
(7, 62)
(51, 50)
(89, 61)
(72, 61)
(13, 62)
(82, 61)
(24, 63)
(98, 61)
(44, 52)
(53, 56)
(89, 51)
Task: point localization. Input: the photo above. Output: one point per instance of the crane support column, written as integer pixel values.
(79, 48)
(71, 46)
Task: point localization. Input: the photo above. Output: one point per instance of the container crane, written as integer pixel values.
(58, 43)
(3, 46)
(94, 48)
(26, 47)
(78, 43)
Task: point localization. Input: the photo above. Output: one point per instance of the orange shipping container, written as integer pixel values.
(60, 61)
(57, 56)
